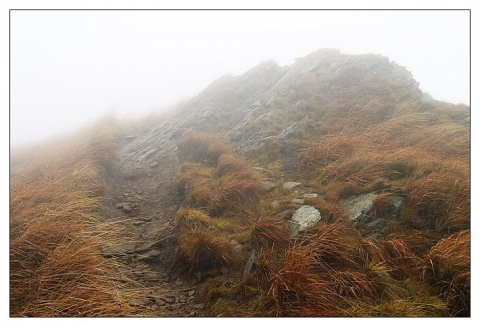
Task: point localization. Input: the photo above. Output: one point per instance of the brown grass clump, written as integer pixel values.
(442, 198)
(447, 268)
(269, 232)
(56, 234)
(190, 220)
(202, 147)
(199, 185)
(231, 184)
(402, 261)
(204, 251)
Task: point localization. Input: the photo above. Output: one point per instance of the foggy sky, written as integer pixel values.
(69, 67)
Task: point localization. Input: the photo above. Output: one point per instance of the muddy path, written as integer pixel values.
(144, 199)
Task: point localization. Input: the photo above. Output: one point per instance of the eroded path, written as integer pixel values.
(145, 199)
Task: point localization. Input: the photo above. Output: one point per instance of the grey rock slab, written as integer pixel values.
(397, 201)
(290, 185)
(357, 205)
(303, 218)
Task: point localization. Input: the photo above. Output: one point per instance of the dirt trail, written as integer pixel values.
(145, 199)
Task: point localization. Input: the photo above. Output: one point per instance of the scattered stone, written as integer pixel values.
(120, 205)
(153, 164)
(160, 302)
(191, 293)
(127, 208)
(298, 201)
(169, 299)
(303, 218)
(310, 195)
(145, 219)
(290, 185)
(138, 223)
(199, 306)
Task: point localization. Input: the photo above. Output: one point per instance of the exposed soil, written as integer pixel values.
(145, 200)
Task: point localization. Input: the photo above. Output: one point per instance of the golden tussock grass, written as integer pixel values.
(56, 232)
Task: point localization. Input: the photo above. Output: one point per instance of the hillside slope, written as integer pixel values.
(350, 136)
(330, 187)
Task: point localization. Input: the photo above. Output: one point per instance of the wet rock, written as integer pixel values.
(303, 218)
(290, 185)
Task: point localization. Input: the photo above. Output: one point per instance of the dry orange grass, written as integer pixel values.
(56, 234)
(447, 268)
(269, 232)
(203, 251)
(213, 177)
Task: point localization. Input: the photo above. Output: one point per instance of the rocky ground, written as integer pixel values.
(145, 200)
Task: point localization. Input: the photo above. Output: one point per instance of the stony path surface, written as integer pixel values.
(145, 199)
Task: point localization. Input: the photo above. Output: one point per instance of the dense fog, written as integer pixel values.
(70, 67)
